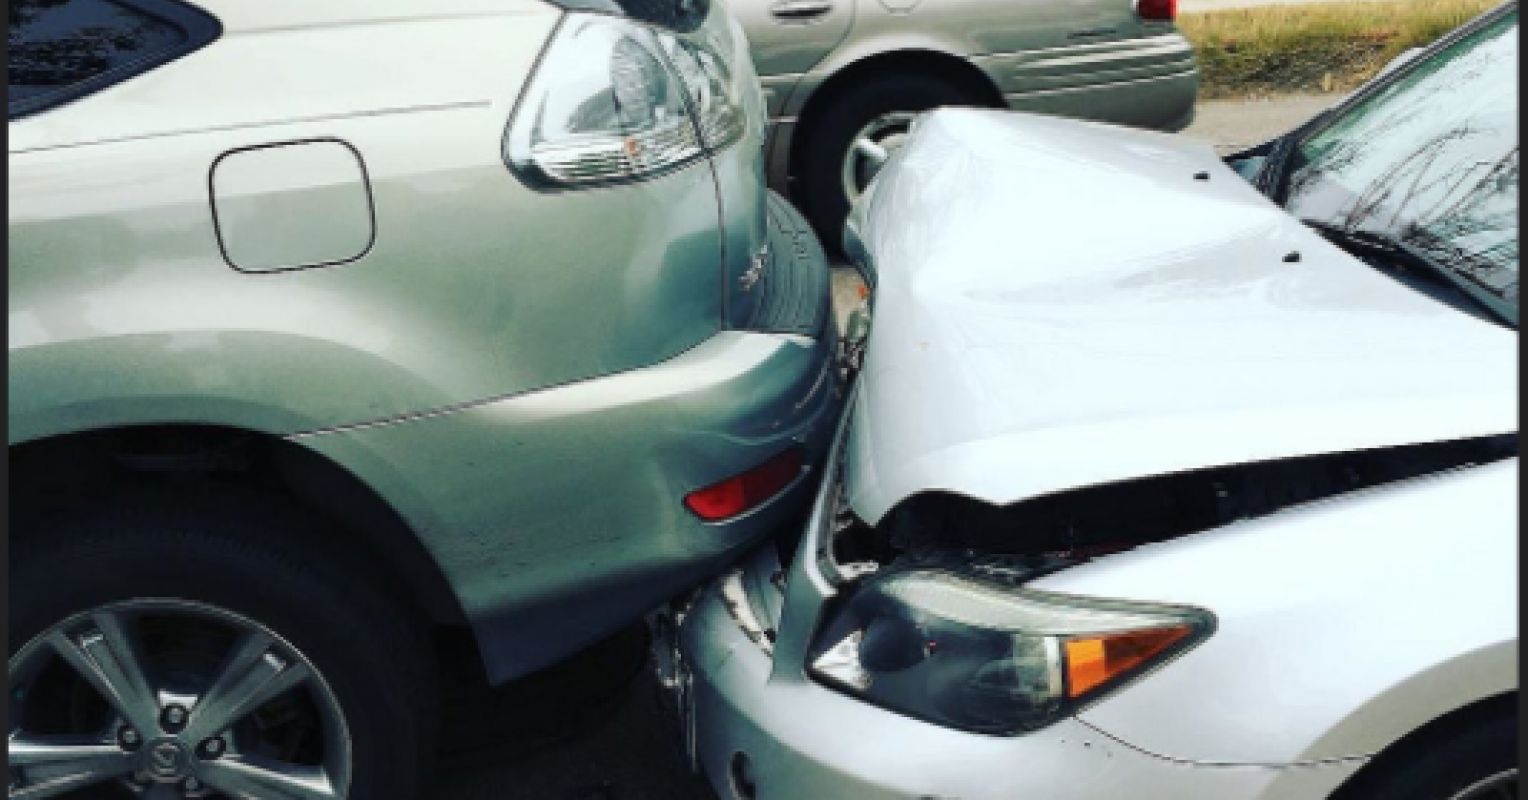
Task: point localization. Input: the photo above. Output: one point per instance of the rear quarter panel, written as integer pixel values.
(123, 309)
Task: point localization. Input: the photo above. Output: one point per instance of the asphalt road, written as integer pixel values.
(1231, 125)
(589, 729)
(592, 728)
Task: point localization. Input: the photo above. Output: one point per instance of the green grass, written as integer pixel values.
(1313, 48)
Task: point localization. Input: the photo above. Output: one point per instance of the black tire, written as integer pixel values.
(818, 171)
(1440, 769)
(242, 555)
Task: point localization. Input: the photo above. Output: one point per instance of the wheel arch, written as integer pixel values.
(1458, 681)
(1407, 749)
(922, 58)
(48, 474)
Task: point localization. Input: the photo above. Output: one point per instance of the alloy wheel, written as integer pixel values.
(869, 149)
(167, 698)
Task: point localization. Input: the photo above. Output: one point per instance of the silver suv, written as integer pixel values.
(337, 327)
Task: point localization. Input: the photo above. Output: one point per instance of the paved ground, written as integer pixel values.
(1234, 124)
(592, 728)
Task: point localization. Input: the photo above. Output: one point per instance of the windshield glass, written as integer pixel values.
(1429, 160)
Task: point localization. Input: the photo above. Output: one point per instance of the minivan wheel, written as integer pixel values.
(180, 658)
(855, 134)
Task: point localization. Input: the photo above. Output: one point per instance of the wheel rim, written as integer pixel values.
(870, 148)
(1501, 786)
(171, 698)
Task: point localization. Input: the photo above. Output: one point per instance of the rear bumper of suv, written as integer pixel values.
(557, 515)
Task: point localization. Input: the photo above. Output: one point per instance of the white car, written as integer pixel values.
(1157, 482)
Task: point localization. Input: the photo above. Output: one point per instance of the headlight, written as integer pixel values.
(614, 100)
(991, 658)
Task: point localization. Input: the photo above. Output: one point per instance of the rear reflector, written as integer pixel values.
(1164, 10)
(746, 490)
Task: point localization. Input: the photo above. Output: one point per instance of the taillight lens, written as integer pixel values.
(1157, 10)
(992, 658)
(702, 64)
(613, 100)
(745, 491)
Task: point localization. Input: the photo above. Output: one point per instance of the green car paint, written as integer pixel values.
(531, 379)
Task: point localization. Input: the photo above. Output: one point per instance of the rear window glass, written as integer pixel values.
(61, 49)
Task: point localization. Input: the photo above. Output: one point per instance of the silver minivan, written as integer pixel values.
(842, 78)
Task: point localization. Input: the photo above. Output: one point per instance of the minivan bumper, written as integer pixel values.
(1164, 103)
(1146, 82)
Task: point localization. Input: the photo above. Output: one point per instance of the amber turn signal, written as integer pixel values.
(1092, 661)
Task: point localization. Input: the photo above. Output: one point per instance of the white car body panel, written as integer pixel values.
(1124, 318)
(1340, 624)
(1059, 305)
(1305, 721)
(805, 740)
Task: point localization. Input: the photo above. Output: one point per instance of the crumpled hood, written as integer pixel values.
(1062, 304)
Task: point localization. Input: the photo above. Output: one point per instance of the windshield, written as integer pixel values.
(1429, 160)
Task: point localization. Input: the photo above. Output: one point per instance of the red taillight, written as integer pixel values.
(746, 490)
(1162, 10)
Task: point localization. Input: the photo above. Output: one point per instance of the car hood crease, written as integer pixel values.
(1062, 304)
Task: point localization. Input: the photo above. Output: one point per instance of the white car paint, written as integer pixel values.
(1341, 625)
(1392, 607)
(1121, 317)
(805, 740)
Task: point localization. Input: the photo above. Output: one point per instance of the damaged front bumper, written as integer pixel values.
(734, 659)
(759, 730)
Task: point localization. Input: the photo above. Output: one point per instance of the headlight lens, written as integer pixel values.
(614, 100)
(990, 658)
